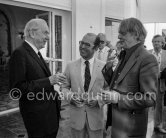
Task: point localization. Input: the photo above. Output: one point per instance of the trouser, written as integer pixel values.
(53, 135)
(86, 132)
(159, 110)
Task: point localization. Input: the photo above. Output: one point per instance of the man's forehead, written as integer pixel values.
(89, 38)
(159, 38)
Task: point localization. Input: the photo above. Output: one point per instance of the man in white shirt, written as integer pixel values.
(158, 42)
(103, 50)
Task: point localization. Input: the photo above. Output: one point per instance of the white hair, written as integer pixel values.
(33, 24)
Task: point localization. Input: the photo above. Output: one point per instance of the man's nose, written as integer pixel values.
(83, 46)
(47, 37)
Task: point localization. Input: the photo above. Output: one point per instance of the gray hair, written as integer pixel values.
(133, 26)
(162, 38)
(33, 24)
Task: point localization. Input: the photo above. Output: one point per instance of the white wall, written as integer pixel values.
(88, 16)
(115, 9)
(153, 11)
(58, 4)
(130, 8)
(120, 9)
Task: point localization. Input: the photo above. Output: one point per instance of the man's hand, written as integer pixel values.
(76, 101)
(57, 79)
(110, 96)
(92, 103)
(108, 131)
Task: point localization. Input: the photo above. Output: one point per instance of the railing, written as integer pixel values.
(9, 111)
(53, 59)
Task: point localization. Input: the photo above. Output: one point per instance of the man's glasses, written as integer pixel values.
(102, 42)
(122, 32)
(85, 44)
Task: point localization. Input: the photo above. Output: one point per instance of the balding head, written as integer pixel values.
(91, 37)
(88, 46)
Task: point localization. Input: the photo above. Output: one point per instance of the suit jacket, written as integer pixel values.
(78, 114)
(30, 75)
(140, 74)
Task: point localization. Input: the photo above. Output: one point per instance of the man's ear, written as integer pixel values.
(32, 34)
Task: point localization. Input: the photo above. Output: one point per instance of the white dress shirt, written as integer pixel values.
(102, 54)
(158, 56)
(33, 47)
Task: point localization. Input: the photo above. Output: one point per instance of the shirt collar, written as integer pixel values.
(32, 46)
(153, 52)
(91, 61)
(133, 48)
(102, 50)
(128, 52)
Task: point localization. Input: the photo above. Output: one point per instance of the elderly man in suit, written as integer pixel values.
(85, 79)
(133, 84)
(30, 74)
(158, 42)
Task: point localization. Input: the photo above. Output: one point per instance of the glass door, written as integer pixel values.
(53, 49)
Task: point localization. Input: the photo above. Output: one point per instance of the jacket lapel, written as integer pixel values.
(96, 68)
(34, 55)
(78, 74)
(130, 63)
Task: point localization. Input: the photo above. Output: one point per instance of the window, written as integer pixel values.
(111, 30)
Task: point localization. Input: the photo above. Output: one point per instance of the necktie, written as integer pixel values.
(44, 63)
(122, 55)
(41, 57)
(87, 76)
